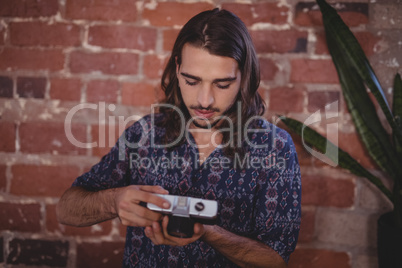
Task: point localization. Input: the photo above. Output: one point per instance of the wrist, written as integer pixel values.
(110, 201)
(209, 231)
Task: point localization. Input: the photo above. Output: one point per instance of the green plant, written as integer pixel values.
(356, 75)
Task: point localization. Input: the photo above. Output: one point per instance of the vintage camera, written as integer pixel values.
(185, 211)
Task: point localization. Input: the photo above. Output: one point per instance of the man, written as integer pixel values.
(207, 141)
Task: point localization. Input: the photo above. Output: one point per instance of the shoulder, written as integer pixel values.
(146, 122)
(262, 132)
(145, 125)
(267, 142)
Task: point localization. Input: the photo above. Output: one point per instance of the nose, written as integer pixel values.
(205, 96)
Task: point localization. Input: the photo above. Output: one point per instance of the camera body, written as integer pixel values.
(184, 211)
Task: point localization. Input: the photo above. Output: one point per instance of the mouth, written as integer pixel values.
(204, 114)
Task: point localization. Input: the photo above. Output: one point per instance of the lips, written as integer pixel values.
(207, 114)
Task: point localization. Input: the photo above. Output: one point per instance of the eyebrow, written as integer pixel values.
(226, 79)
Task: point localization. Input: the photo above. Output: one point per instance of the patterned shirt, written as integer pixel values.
(258, 193)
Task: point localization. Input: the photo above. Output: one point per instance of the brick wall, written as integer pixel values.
(109, 55)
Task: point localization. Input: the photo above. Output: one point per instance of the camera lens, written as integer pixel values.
(199, 206)
(180, 227)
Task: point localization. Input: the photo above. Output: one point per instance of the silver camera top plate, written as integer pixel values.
(184, 206)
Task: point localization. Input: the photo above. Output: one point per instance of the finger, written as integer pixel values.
(151, 198)
(165, 222)
(136, 213)
(149, 233)
(158, 234)
(128, 219)
(198, 229)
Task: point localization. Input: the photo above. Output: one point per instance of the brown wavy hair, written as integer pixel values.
(221, 33)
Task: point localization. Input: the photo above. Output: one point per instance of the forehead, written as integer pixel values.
(199, 62)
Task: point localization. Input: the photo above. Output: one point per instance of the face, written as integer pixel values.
(209, 85)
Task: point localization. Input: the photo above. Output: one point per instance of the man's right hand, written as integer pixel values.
(128, 208)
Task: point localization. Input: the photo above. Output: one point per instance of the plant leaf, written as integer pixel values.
(326, 147)
(397, 110)
(343, 38)
(363, 112)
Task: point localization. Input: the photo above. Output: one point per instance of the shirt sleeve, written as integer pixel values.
(113, 170)
(278, 211)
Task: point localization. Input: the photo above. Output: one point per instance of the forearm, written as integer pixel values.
(79, 207)
(240, 250)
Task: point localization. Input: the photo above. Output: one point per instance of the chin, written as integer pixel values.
(206, 123)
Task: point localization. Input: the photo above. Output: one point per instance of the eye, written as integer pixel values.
(191, 83)
(223, 86)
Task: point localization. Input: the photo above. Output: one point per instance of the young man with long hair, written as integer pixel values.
(208, 140)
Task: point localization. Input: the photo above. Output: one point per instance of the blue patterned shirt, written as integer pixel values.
(259, 193)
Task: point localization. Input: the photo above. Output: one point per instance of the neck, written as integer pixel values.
(206, 137)
(206, 141)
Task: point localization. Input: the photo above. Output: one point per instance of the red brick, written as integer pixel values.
(122, 230)
(268, 69)
(313, 71)
(285, 99)
(284, 41)
(125, 10)
(12, 59)
(328, 192)
(36, 252)
(3, 178)
(68, 89)
(100, 255)
(48, 180)
(49, 137)
(259, 12)
(305, 17)
(20, 217)
(105, 137)
(123, 36)
(102, 90)
(353, 14)
(1, 250)
(154, 66)
(138, 94)
(8, 137)
(318, 258)
(317, 100)
(106, 62)
(31, 87)
(368, 41)
(173, 13)
(53, 226)
(2, 35)
(6, 87)
(44, 34)
(307, 226)
(355, 18)
(28, 8)
(169, 37)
